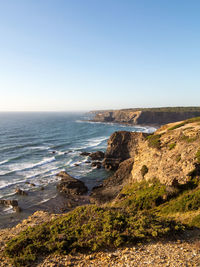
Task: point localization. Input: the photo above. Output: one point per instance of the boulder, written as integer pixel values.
(70, 185)
(84, 153)
(11, 202)
(96, 164)
(21, 192)
(98, 155)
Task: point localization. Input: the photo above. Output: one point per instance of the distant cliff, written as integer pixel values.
(148, 116)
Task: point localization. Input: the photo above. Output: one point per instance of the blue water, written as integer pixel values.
(34, 147)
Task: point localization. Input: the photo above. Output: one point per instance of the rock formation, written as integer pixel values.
(171, 154)
(121, 146)
(151, 116)
(70, 185)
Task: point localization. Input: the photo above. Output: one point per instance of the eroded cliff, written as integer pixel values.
(151, 116)
(171, 155)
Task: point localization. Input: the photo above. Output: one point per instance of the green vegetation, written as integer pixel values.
(187, 201)
(171, 146)
(167, 109)
(141, 212)
(198, 156)
(196, 221)
(142, 196)
(154, 140)
(188, 139)
(177, 126)
(144, 170)
(178, 158)
(195, 119)
(87, 228)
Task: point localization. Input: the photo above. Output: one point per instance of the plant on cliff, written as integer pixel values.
(171, 146)
(198, 156)
(154, 141)
(86, 228)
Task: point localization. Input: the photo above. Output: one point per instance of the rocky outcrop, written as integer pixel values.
(21, 192)
(171, 154)
(11, 202)
(121, 146)
(112, 186)
(153, 116)
(70, 185)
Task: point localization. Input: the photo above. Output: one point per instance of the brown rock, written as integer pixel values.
(70, 185)
(96, 164)
(112, 186)
(98, 155)
(84, 153)
(21, 192)
(121, 146)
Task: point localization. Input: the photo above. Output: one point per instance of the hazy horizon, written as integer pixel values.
(62, 56)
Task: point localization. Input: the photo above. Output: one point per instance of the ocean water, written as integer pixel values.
(34, 147)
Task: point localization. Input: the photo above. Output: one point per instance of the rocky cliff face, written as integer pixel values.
(171, 154)
(154, 116)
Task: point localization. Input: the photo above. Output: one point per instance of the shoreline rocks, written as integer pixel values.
(11, 202)
(70, 185)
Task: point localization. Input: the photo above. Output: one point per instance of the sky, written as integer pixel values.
(67, 55)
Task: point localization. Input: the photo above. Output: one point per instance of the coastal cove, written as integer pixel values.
(34, 147)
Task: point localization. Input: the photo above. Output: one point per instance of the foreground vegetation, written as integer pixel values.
(141, 212)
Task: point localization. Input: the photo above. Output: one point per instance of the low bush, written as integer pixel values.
(187, 201)
(154, 141)
(86, 228)
(142, 196)
(171, 146)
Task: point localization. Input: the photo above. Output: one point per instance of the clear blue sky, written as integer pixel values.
(99, 54)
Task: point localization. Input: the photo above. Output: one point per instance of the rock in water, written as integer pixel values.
(98, 155)
(70, 185)
(21, 192)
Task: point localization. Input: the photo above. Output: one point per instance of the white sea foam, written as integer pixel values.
(4, 161)
(17, 167)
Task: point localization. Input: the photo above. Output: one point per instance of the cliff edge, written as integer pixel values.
(146, 116)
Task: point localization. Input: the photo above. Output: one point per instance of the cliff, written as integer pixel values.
(148, 116)
(171, 155)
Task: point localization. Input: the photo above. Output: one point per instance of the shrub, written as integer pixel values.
(144, 170)
(177, 126)
(86, 228)
(171, 146)
(142, 196)
(178, 158)
(187, 201)
(154, 141)
(198, 156)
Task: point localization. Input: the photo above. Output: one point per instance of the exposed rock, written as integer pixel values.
(121, 146)
(112, 186)
(70, 185)
(11, 202)
(21, 192)
(85, 153)
(153, 116)
(98, 155)
(175, 161)
(96, 164)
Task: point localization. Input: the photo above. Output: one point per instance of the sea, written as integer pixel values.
(34, 147)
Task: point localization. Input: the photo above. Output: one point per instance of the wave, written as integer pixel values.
(25, 167)
(4, 161)
(93, 142)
